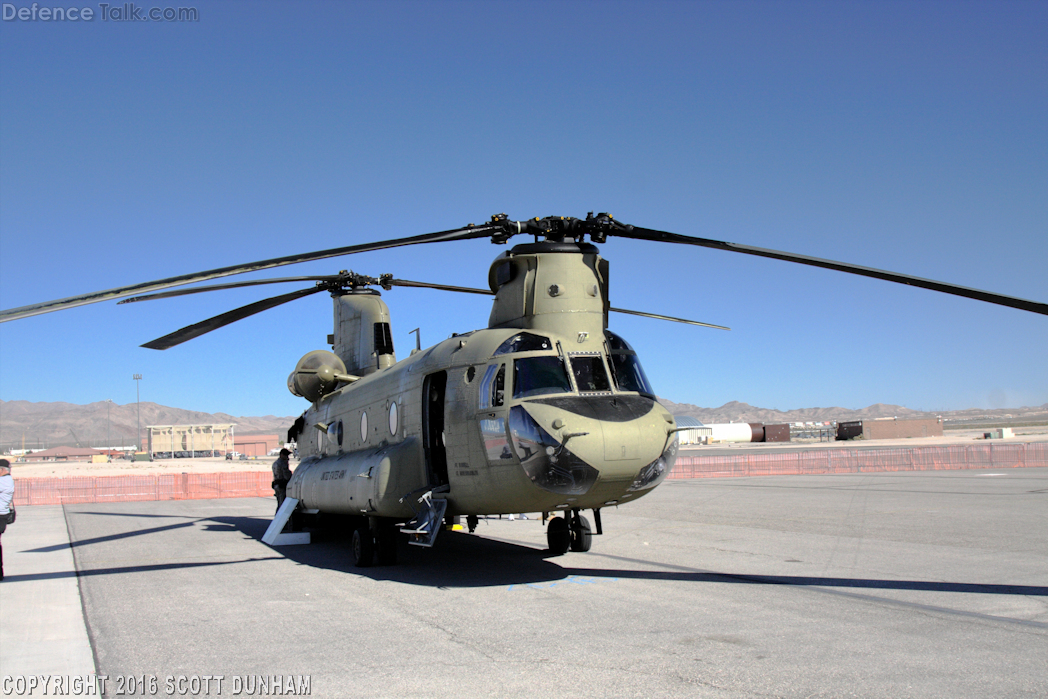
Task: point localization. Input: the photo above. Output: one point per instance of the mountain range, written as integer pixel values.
(48, 425)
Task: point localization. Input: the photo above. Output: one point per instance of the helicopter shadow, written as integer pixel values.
(458, 560)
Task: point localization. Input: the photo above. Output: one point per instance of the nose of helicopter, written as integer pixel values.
(567, 444)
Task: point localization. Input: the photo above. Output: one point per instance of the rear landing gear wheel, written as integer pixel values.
(558, 536)
(363, 547)
(581, 534)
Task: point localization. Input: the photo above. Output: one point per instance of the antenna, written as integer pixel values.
(418, 339)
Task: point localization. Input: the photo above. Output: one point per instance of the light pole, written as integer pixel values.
(109, 444)
(138, 401)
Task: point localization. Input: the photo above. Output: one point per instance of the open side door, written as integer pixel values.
(433, 390)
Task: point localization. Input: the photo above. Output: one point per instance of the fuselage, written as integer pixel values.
(506, 419)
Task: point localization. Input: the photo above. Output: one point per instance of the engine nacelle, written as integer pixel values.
(316, 374)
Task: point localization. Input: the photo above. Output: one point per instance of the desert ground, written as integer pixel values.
(72, 469)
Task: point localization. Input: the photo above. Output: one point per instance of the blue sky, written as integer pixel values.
(904, 136)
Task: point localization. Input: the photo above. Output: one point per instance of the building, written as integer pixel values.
(63, 454)
(253, 445)
(890, 428)
(777, 433)
(187, 441)
(696, 433)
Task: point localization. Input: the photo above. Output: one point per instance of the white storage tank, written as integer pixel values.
(735, 432)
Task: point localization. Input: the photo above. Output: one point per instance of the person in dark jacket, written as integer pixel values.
(281, 476)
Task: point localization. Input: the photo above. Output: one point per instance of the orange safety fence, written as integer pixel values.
(845, 460)
(202, 486)
(178, 486)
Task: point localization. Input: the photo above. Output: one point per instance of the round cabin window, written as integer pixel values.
(363, 427)
(393, 418)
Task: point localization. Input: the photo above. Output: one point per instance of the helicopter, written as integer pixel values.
(544, 410)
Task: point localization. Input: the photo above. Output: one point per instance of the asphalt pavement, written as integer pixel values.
(916, 584)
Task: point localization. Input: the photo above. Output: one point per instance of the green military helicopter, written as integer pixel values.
(545, 410)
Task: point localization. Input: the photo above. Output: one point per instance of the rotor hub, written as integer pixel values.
(558, 229)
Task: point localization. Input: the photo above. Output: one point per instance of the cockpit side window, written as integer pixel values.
(536, 376)
(625, 366)
(492, 391)
(498, 390)
(590, 375)
(484, 391)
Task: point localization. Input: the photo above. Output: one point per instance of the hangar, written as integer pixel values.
(697, 433)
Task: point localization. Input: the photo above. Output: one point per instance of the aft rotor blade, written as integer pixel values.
(468, 233)
(946, 288)
(202, 328)
(219, 287)
(329, 277)
(487, 292)
(671, 318)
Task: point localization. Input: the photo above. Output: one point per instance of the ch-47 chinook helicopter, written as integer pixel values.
(545, 410)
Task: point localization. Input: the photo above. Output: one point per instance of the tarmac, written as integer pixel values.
(915, 584)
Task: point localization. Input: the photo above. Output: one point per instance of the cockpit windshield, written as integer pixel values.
(536, 376)
(625, 366)
(590, 375)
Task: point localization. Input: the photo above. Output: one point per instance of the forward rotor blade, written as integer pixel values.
(671, 318)
(954, 289)
(468, 233)
(202, 328)
(219, 287)
(443, 287)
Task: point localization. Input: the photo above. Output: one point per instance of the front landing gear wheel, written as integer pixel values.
(581, 534)
(558, 536)
(363, 547)
(472, 521)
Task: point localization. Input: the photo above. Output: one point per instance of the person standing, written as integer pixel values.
(7, 503)
(281, 476)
